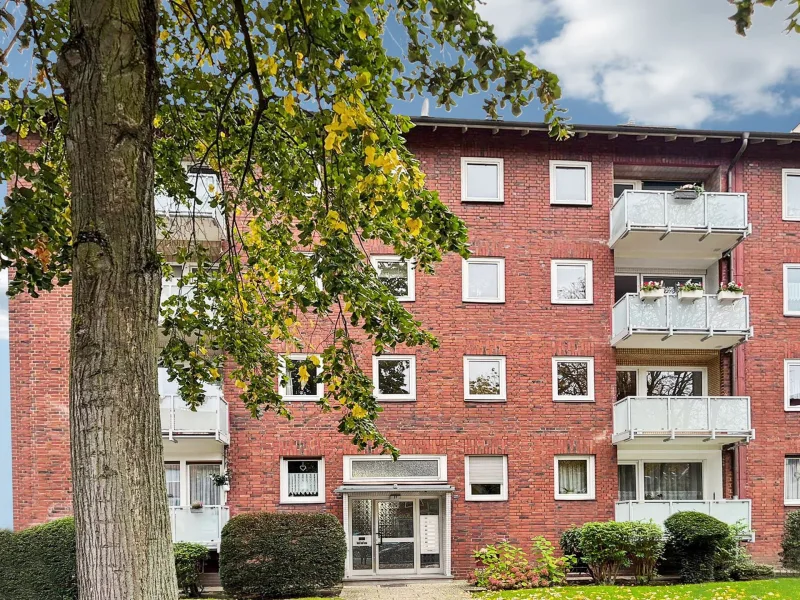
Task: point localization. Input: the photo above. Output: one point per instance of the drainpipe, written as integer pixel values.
(742, 148)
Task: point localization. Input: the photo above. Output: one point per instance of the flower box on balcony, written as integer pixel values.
(685, 194)
(726, 296)
(651, 295)
(690, 295)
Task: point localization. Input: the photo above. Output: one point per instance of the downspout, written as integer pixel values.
(742, 148)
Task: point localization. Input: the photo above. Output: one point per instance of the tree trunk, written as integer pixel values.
(108, 69)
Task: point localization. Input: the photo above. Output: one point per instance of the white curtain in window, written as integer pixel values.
(793, 288)
(201, 487)
(627, 482)
(173, 474)
(793, 479)
(673, 481)
(572, 477)
(793, 384)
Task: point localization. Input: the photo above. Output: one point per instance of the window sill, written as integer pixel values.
(491, 400)
(482, 301)
(792, 409)
(569, 203)
(575, 498)
(296, 502)
(488, 499)
(573, 302)
(301, 398)
(575, 400)
(395, 400)
(483, 200)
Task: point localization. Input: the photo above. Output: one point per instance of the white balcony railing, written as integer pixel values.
(644, 221)
(729, 511)
(671, 417)
(210, 419)
(667, 322)
(201, 526)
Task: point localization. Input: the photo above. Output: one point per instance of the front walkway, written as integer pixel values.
(411, 590)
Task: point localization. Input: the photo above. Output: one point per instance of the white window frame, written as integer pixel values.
(319, 498)
(789, 362)
(785, 174)
(282, 388)
(501, 279)
(788, 501)
(571, 164)
(200, 210)
(411, 295)
(590, 479)
(348, 471)
(501, 397)
(469, 496)
(558, 262)
(640, 464)
(642, 370)
(475, 160)
(636, 183)
(786, 311)
(589, 360)
(410, 397)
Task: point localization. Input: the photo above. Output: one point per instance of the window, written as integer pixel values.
(171, 284)
(483, 280)
(792, 483)
(410, 468)
(791, 290)
(626, 383)
(626, 476)
(301, 380)
(571, 281)
(302, 480)
(573, 379)
(661, 381)
(486, 478)
(673, 481)
(202, 488)
(397, 274)
(791, 384)
(791, 194)
(485, 378)
(394, 376)
(622, 185)
(574, 477)
(172, 471)
(570, 182)
(482, 180)
(205, 185)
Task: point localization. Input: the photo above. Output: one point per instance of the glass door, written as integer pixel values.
(395, 539)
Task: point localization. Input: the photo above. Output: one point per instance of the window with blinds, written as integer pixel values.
(486, 478)
(792, 483)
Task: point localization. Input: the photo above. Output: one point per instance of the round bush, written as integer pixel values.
(269, 555)
(696, 538)
(188, 561)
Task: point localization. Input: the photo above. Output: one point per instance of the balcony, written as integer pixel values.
(729, 511)
(201, 526)
(718, 419)
(209, 420)
(707, 323)
(652, 224)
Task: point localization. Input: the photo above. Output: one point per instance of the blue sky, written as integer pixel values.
(659, 62)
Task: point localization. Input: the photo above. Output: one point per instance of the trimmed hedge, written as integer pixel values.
(39, 563)
(696, 539)
(790, 544)
(188, 562)
(269, 555)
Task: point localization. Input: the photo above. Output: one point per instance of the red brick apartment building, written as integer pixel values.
(559, 394)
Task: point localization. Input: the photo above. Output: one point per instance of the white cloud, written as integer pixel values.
(660, 62)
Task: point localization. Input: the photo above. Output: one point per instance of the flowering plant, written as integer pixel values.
(651, 286)
(506, 567)
(731, 286)
(690, 286)
(197, 505)
(691, 187)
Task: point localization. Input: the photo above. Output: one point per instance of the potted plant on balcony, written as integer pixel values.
(690, 191)
(196, 506)
(730, 292)
(222, 480)
(690, 291)
(651, 291)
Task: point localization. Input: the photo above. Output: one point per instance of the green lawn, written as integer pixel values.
(771, 589)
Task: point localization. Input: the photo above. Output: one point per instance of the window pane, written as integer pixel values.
(626, 384)
(619, 188)
(573, 378)
(373, 469)
(295, 386)
(674, 383)
(627, 482)
(303, 478)
(484, 377)
(394, 275)
(485, 489)
(793, 384)
(394, 376)
(173, 474)
(673, 481)
(572, 477)
(793, 478)
(483, 280)
(571, 184)
(571, 282)
(201, 487)
(793, 288)
(482, 181)
(793, 196)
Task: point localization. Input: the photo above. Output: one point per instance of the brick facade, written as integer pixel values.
(530, 428)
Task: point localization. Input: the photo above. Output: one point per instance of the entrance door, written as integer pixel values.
(395, 536)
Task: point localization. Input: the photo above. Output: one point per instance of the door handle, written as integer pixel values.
(378, 539)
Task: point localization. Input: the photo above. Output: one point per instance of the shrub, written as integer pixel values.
(733, 562)
(696, 538)
(790, 554)
(269, 555)
(645, 549)
(604, 548)
(188, 563)
(506, 567)
(39, 563)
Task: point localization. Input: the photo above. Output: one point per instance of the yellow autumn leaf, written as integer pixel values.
(214, 373)
(363, 79)
(362, 34)
(414, 226)
(315, 360)
(288, 104)
(299, 60)
(288, 321)
(164, 35)
(203, 350)
(339, 61)
(227, 38)
(330, 141)
(404, 204)
(369, 152)
(358, 412)
(276, 332)
(304, 375)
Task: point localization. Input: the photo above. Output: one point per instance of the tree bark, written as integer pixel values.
(108, 70)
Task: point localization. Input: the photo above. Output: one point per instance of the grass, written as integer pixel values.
(770, 589)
